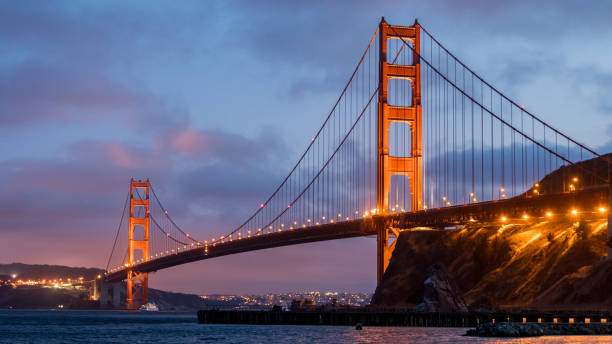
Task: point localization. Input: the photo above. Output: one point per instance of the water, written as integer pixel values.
(19, 326)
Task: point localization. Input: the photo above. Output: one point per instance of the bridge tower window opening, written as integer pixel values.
(400, 139)
(140, 211)
(400, 92)
(400, 194)
(139, 232)
(397, 50)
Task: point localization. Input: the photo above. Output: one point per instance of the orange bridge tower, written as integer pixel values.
(388, 165)
(138, 282)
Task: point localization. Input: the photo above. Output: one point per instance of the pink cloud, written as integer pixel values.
(189, 141)
(120, 156)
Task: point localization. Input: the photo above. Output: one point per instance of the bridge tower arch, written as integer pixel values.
(391, 165)
(138, 282)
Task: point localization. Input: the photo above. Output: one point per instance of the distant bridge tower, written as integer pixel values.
(138, 282)
(391, 165)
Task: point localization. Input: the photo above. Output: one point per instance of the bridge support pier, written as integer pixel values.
(108, 293)
(94, 291)
(385, 247)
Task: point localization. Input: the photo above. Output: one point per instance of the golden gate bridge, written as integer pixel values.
(416, 138)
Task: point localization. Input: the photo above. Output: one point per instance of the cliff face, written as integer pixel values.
(529, 264)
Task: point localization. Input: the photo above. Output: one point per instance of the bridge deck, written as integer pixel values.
(585, 201)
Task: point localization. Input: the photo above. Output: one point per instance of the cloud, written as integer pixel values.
(92, 34)
(224, 146)
(221, 172)
(33, 92)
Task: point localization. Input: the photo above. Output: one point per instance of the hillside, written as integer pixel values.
(536, 264)
(588, 173)
(550, 263)
(40, 272)
(29, 297)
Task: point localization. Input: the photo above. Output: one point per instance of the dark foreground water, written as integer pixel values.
(126, 327)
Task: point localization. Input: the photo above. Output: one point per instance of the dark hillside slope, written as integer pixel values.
(526, 264)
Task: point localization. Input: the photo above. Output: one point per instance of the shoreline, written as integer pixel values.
(368, 317)
(515, 330)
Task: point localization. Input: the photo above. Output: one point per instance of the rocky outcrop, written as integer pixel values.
(506, 330)
(533, 330)
(439, 293)
(544, 264)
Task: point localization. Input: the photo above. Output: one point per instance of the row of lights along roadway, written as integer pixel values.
(472, 198)
(572, 212)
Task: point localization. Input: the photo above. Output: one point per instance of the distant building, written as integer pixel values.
(302, 305)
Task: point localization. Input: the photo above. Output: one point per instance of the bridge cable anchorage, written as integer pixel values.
(504, 122)
(127, 197)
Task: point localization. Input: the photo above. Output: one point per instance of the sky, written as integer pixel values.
(214, 101)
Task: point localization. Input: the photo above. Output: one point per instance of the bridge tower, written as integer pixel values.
(391, 165)
(138, 282)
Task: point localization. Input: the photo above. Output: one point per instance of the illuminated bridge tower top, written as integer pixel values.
(411, 115)
(409, 166)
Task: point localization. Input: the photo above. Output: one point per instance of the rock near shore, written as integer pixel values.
(439, 293)
(534, 330)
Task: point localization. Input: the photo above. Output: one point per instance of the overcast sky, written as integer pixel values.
(214, 101)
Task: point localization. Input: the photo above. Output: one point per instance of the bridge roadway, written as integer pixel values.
(585, 201)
